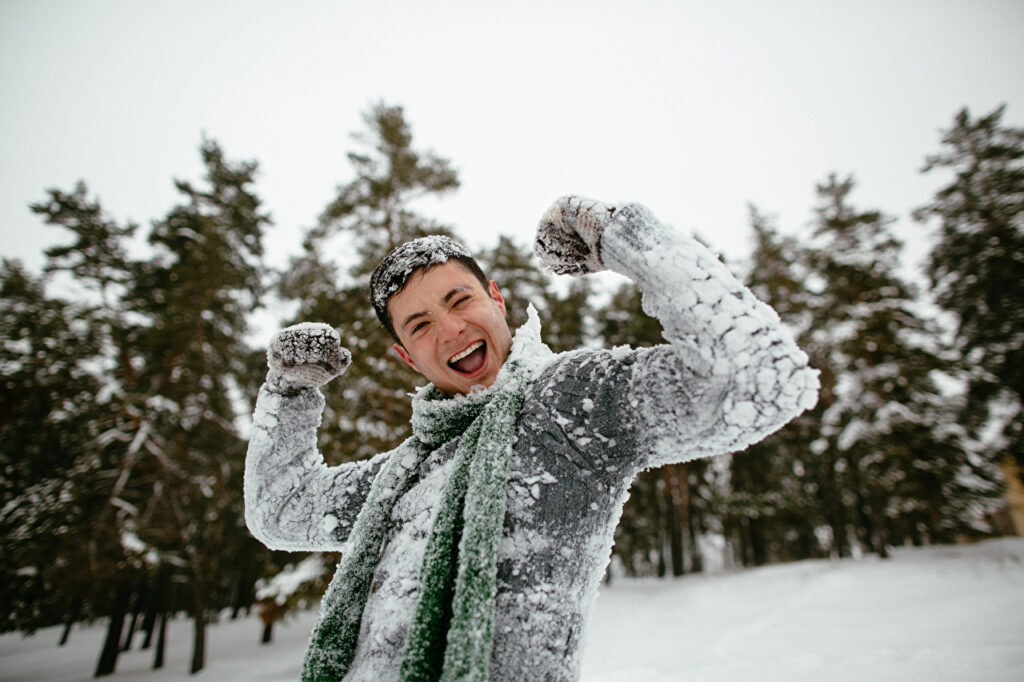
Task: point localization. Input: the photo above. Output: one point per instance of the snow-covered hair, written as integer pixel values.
(394, 271)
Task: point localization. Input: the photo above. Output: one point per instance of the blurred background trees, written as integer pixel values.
(124, 410)
(975, 273)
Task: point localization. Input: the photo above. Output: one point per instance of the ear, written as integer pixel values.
(404, 354)
(495, 294)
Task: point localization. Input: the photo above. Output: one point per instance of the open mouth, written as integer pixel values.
(470, 360)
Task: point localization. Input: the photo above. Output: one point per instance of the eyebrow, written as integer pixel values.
(455, 291)
(447, 297)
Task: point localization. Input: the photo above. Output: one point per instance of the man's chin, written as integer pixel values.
(460, 384)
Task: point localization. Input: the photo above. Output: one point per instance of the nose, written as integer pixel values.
(450, 325)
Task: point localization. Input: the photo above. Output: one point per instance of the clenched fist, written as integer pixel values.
(569, 235)
(305, 355)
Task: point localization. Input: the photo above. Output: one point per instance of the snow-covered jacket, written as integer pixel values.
(729, 375)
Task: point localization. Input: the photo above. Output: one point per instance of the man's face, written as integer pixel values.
(452, 330)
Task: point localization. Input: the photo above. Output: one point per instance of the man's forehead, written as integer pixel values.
(451, 268)
(437, 281)
(398, 266)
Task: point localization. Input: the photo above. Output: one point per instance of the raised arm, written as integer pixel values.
(293, 500)
(730, 374)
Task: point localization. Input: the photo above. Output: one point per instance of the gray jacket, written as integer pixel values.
(729, 375)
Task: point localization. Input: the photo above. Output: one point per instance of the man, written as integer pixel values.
(476, 547)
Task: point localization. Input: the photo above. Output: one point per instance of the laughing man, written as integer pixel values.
(474, 549)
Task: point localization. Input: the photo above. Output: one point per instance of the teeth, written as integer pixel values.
(459, 356)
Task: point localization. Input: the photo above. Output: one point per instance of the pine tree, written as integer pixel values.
(50, 467)
(887, 464)
(130, 397)
(94, 562)
(194, 297)
(975, 270)
(98, 257)
(375, 208)
(368, 410)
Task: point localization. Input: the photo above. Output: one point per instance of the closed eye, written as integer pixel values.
(419, 327)
(460, 301)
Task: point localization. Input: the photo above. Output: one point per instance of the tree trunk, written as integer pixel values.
(236, 600)
(148, 625)
(161, 641)
(692, 525)
(840, 538)
(749, 550)
(691, 521)
(131, 632)
(758, 545)
(246, 595)
(659, 527)
(65, 634)
(73, 611)
(865, 511)
(268, 633)
(140, 595)
(881, 524)
(672, 522)
(112, 645)
(199, 630)
(831, 495)
(158, 602)
(149, 619)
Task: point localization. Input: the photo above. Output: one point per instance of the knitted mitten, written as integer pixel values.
(569, 235)
(305, 355)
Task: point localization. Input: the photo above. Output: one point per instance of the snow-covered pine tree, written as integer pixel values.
(193, 299)
(106, 560)
(976, 269)
(889, 466)
(57, 560)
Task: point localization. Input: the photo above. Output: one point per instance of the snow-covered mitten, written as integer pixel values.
(569, 235)
(305, 355)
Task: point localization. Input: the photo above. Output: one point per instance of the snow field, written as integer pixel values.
(931, 614)
(941, 613)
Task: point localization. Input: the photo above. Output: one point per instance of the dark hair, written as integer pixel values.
(394, 272)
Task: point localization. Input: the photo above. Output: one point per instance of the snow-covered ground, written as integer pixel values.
(935, 614)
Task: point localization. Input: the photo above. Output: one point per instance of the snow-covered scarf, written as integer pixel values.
(451, 632)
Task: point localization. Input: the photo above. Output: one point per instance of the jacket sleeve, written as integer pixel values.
(730, 374)
(293, 500)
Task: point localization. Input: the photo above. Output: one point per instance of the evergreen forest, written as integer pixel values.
(124, 409)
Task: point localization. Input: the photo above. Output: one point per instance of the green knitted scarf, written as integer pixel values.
(451, 632)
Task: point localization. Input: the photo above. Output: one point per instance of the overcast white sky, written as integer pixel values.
(694, 108)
